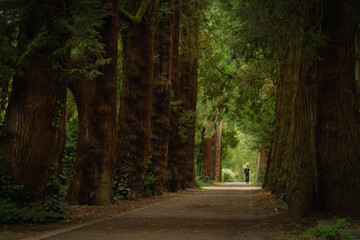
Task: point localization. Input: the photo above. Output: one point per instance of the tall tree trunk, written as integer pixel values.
(339, 130)
(261, 166)
(319, 163)
(36, 111)
(257, 167)
(302, 153)
(189, 75)
(217, 152)
(172, 177)
(136, 99)
(206, 154)
(96, 102)
(276, 171)
(213, 164)
(160, 124)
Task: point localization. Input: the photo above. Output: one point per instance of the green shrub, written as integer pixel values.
(16, 206)
(202, 180)
(327, 233)
(121, 186)
(149, 184)
(228, 175)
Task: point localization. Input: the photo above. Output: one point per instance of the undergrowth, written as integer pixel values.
(16, 205)
(202, 180)
(327, 233)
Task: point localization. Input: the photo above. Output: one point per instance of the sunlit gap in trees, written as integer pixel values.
(234, 186)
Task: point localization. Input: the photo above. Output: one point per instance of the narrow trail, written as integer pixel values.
(227, 211)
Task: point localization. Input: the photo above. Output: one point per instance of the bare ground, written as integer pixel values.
(226, 211)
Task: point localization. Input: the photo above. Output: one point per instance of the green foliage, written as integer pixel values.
(57, 118)
(235, 89)
(150, 180)
(16, 206)
(72, 128)
(187, 119)
(327, 233)
(5, 89)
(72, 36)
(245, 153)
(121, 187)
(202, 180)
(149, 183)
(228, 175)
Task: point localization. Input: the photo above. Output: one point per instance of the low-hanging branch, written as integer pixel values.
(139, 14)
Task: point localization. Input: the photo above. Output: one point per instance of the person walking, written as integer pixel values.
(247, 173)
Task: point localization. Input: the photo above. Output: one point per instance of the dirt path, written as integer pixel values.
(227, 211)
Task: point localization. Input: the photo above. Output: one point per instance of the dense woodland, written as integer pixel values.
(107, 100)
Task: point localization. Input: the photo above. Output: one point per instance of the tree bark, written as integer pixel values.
(96, 103)
(189, 75)
(339, 130)
(136, 99)
(217, 153)
(160, 123)
(173, 178)
(276, 171)
(317, 123)
(206, 155)
(36, 111)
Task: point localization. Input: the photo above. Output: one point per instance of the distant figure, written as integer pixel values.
(247, 172)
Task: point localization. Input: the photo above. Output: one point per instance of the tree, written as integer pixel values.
(338, 120)
(96, 102)
(188, 87)
(172, 174)
(136, 96)
(160, 124)
(35, 116)
(312, 140)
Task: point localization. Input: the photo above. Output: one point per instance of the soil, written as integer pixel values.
(225, 211)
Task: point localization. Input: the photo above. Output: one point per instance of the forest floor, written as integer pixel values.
(224, 211)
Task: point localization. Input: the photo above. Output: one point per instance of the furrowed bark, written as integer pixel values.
(160, 124)
(136, 99)
(36, 112)
(172, 175)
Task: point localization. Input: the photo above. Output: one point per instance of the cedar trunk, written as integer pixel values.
(315, 154)
(206, 154)
(36, 112)
(173, 179)
(217, 152)
(339, 122)
(136, 99)
(96, 146)
(189, 77)
(276, 171)
(160, 123)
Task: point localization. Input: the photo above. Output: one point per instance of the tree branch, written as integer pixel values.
(139, 14)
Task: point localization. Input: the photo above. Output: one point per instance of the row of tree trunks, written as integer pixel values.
(211, 149)
(160, 120)
(96, 146)
(36, 111)
(314, 158)
(136, 98)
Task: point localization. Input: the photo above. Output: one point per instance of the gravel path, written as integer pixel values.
(227, 211)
